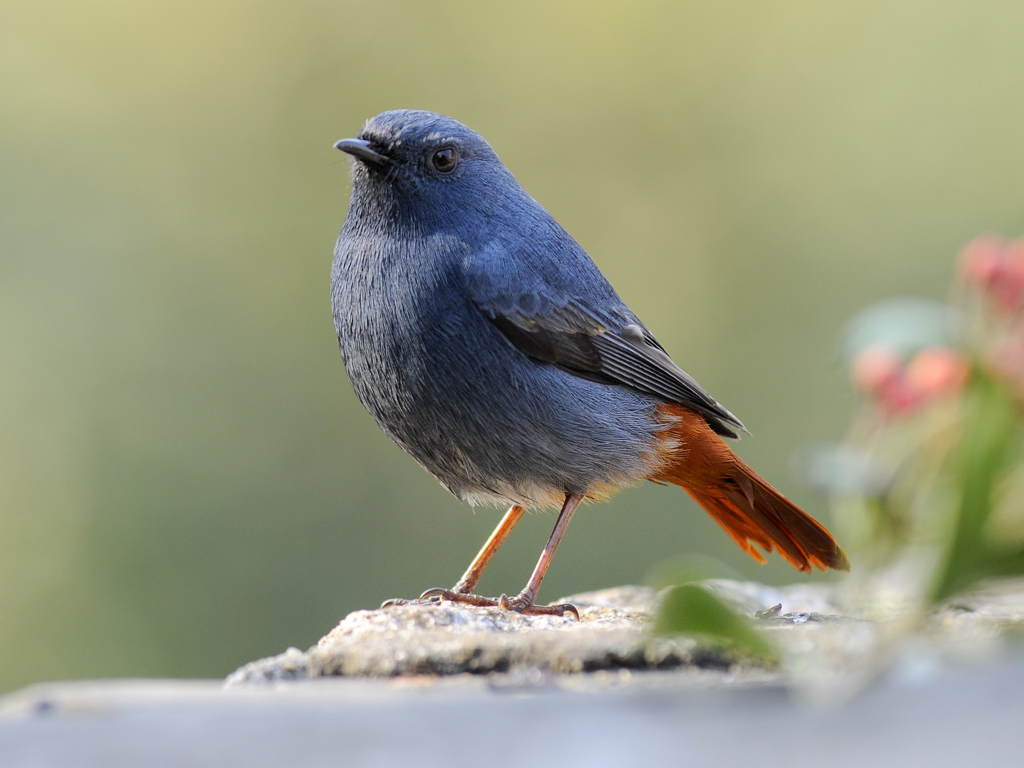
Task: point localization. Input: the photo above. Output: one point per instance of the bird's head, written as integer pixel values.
(424, 165)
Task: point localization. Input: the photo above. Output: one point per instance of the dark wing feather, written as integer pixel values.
(608, 345)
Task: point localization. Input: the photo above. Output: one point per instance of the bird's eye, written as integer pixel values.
(444, 160)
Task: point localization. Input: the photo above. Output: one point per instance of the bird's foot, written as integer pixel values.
(397, 601)
(439, 595)
(456, 594)
(521, 603)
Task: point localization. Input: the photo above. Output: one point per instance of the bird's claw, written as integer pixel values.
(517, 604)
(438, 595)
(564, 608)
(434, 595)
(431, 596)
(521, 604)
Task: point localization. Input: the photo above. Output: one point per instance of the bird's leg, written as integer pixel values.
(468, 582)
(472, 575)
(524, 601)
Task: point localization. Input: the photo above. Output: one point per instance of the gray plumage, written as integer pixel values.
(481, 337)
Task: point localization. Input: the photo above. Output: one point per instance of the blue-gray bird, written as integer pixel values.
(486, 343)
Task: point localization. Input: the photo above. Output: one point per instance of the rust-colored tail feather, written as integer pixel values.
(739, 499)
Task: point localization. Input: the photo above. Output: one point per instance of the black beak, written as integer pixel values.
(360, 148)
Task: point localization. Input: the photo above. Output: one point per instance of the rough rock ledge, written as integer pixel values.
(450, 639)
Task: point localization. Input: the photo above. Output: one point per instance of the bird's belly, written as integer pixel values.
(493, 425)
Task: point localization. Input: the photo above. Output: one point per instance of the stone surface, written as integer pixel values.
(448, 639)
(393, 690)
(822, 644)
(451, 639)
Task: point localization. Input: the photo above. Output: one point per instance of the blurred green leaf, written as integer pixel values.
(990, 424)
(690, 609)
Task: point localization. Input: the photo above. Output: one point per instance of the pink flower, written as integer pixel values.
(936, 371)
(981, 261)
(900, 388)
(1009, 290)
(874, 368)
(997, 269)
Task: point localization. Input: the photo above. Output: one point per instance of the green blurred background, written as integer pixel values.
(186, 479)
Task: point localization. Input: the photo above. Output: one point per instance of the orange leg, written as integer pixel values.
(524, 601)
(476, 569)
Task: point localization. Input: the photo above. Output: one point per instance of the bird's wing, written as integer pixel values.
(572, 318)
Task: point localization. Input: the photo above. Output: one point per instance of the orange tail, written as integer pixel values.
(740, 500)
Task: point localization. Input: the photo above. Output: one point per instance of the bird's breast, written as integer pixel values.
(401, 319)
(485, 419)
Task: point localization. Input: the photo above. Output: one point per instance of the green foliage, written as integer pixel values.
(691, 609)
(992, 427)
(930, 474)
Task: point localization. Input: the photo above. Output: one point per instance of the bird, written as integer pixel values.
(487, 344)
